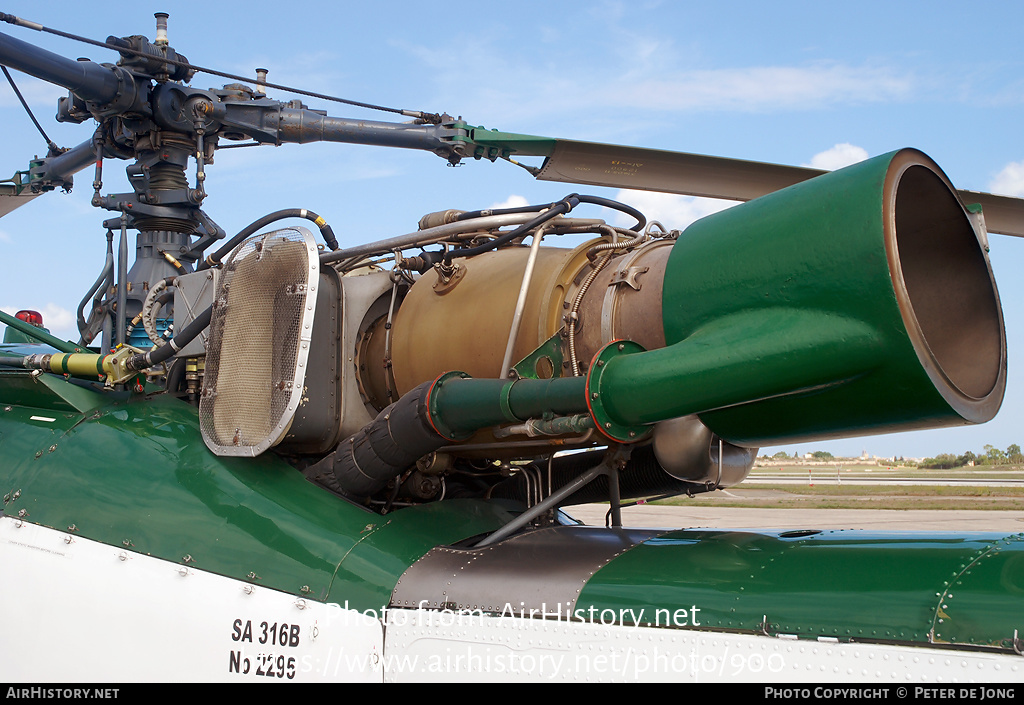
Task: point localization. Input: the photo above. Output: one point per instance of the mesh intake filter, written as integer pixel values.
(259, 341)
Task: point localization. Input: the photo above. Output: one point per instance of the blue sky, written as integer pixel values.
(790, 82)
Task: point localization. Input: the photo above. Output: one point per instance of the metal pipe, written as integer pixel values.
(614, 497)
(122, 283)
(524, 288)
(558, 426)
(549, 503)
(553, 444)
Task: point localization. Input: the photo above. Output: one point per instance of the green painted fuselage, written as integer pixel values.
(132, 471)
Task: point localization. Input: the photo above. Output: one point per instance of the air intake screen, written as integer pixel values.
(259, 342)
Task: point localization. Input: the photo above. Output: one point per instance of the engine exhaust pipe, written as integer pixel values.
(858, 302)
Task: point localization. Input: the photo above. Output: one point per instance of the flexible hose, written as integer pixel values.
(325, 230)
(104, 280)
(158, 355)
(555, 209)
(552, 210)
(154, 302)
(399, 436)
(615, 205)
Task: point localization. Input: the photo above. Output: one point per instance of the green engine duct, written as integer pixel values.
(857, 302)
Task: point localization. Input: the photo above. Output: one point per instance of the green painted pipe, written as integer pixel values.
(460, 405)
(857, 302)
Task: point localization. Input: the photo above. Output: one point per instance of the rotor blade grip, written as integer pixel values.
(52, 170)
(66, 164)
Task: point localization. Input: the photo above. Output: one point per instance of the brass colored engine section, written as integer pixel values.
(466, 326)
(624, 302)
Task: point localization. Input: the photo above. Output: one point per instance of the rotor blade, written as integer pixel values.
(1003, 214)
(717, 177)
(10, 199)
(672, 172)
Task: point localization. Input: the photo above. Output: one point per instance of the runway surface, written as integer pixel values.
(653, 516)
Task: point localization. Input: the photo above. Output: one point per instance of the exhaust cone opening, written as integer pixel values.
(857, 302)
(946, 292)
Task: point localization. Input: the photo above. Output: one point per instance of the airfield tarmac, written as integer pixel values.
(656, 516)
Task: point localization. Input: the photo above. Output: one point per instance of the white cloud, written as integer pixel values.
(671, 210)
(1009, 181)
(843, 154)
(512, 201)
(59, 320)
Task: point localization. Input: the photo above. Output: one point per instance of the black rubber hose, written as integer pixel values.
(325, 230)
(469, 215)
(563, 206)
(105, 276)
(594, 200)
(400, 435)
(175, 376)
(101, 281)
(553, 210)
(641, 220)
(158, 355)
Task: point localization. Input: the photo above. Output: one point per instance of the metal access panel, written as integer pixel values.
(315, 428)
(193, 294)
